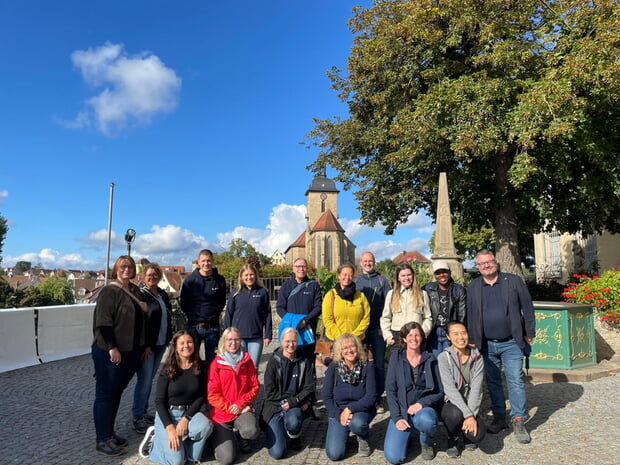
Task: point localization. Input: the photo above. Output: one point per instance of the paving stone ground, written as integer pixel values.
(46, 418)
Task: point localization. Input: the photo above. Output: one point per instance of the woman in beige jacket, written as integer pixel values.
(405, 303)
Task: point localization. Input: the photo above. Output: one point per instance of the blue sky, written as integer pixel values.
(195, 110)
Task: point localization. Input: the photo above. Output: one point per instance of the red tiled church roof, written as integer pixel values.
(327, 222)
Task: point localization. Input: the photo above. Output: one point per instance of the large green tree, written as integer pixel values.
(518, 101)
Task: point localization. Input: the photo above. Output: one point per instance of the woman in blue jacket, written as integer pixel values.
(249, 310)
(349, 394)
(414, 395)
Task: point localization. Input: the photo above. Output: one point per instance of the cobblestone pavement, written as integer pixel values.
(46, 418)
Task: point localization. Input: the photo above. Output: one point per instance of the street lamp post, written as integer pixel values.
(130, 235)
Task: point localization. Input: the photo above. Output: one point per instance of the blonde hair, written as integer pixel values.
(361, 353)
(247, 267)
(221, 345)
(418, 299)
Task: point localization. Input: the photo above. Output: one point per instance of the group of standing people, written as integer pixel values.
(442, 339)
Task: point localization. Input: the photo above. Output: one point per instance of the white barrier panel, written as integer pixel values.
(65, 331)
(17, 347)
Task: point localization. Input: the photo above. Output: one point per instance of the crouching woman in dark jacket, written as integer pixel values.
(350, 394)
(289, 385)
(414, 395)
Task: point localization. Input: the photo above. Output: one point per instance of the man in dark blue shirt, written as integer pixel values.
(203, 297)
(500, 318)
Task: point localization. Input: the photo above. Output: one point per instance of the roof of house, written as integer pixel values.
(411, 256)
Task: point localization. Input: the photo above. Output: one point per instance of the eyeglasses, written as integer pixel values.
(152, 276)
(487, 263)
(236, 341)
(300, 266)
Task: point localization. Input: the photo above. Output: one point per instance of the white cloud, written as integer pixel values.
(419, 222)
(4, 194)
(51, 259)
(286, 223)
(134, 88)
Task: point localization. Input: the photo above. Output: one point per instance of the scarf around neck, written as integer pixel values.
(346, 293)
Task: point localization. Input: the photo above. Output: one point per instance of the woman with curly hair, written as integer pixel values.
(181, 429)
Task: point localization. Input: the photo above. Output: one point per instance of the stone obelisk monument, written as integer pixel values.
(444, 239)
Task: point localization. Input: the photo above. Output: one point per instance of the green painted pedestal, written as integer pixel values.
(564, 336)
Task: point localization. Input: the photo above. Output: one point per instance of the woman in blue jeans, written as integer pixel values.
(249, 310)
(414, 395)
(350, 395)
(289, 387)
(158, 334)
(181, 429)
(118, 339)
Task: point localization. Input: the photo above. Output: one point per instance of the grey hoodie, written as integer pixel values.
(452, 380)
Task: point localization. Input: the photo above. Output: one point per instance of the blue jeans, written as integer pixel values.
(210, 337)
(110, 382)
(198, 430)
(395, 445)
(144, 381)
(437, 340)
(509, 355)
(255, 349)
(378, 351)
(283, 424)
(336, 440)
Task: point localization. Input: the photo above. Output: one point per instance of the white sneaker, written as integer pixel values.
(147, 442)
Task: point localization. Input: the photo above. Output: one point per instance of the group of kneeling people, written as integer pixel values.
(419, 387)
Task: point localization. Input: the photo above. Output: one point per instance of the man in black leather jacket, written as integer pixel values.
(448, 302)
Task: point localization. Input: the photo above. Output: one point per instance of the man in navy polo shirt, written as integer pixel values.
(500, 319)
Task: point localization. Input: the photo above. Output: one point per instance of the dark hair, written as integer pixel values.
(454, 323)
(205, 252)
(406, 329)
(171, 366)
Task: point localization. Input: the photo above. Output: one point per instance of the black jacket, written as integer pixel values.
(457, 301)
(203, 297)
(517, 301)
(273, 384)
(153, 315)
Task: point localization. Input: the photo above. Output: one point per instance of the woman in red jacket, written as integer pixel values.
(233, 386)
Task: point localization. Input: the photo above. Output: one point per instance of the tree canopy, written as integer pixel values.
(518, 101)
(21, 266)
(53, 291)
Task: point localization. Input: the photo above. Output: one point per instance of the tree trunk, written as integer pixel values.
(506, 227)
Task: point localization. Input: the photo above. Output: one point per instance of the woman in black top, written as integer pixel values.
(181, 429)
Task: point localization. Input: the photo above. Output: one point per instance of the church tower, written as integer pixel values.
(321, 196)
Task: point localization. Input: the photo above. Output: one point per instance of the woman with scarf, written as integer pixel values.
(349, 393)
(289, 387)
(233, 386)
(345, 309)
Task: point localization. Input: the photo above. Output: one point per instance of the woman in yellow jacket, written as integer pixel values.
(405, 303)
(345, 309)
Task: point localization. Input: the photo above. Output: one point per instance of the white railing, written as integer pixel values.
(33, 335)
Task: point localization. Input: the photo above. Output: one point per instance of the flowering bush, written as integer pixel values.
(602, 292)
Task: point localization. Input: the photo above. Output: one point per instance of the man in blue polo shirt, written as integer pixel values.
(500, 321)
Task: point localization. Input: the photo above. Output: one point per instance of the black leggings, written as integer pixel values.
(453, 419)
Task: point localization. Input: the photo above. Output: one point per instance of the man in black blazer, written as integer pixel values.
(500, 321)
